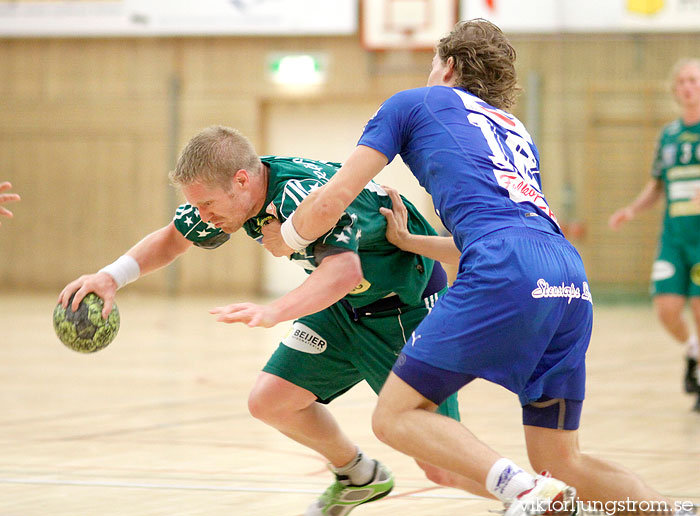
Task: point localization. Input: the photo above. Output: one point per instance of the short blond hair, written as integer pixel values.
(214, 156)
(682, 63)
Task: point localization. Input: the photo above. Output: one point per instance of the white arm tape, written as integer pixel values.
(291, 237)
(124, 270)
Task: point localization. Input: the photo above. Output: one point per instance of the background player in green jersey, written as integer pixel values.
(676, 176)
(351, 317)
(6, 197)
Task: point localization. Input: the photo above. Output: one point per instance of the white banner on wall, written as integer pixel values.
(549, 16)
(25, 18)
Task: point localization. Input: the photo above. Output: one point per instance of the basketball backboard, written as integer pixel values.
(406, 24)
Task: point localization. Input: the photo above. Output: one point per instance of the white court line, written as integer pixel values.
(233, 489)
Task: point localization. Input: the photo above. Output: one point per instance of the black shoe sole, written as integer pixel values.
(690, 381)
(379, 496)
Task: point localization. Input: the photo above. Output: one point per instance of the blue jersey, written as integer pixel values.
(478, 162)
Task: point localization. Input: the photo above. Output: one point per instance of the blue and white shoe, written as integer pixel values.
(548, 496)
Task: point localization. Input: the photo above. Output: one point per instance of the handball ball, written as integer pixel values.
(84, 330)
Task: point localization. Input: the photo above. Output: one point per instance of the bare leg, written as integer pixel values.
(595, 480)
(448, 479)
(294, 412)
(405, 421)
(669, 308)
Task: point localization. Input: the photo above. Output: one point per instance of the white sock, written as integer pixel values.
(692, 348)
(359, 470)
(506, 480)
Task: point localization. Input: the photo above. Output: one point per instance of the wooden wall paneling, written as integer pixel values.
(80, 117)
(152, 63)
(239, 111)
(228, 66)
(11, 231)
(22, 68)
(147, 203)
(76, 162)
(620, 140)
(67, 70)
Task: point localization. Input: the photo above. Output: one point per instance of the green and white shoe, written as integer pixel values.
(342, 497)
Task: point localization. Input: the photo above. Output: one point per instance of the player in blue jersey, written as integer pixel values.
(7, 197)
(519, 313)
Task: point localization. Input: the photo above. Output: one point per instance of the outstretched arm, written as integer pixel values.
(159, 249)
(650, 194)
(153, 252)
(442, 249)
(337, 275)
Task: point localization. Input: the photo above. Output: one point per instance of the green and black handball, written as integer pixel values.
(84, 330)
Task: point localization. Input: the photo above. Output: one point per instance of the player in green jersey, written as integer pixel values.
(351, 315)
(676, 177)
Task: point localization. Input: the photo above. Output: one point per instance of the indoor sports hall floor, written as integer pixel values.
(157, 423)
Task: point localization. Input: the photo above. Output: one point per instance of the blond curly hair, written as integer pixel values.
(484, 61)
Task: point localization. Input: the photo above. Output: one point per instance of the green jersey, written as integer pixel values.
(677, 164)
(386, 269)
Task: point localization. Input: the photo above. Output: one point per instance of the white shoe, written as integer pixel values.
(547, 496)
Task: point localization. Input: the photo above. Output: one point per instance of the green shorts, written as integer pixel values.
(329, 352)
(676, 269)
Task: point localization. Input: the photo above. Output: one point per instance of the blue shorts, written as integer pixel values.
(519, 314)
(558, 413)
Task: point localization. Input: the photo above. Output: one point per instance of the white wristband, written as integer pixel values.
(291, 237)
(124, 270)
